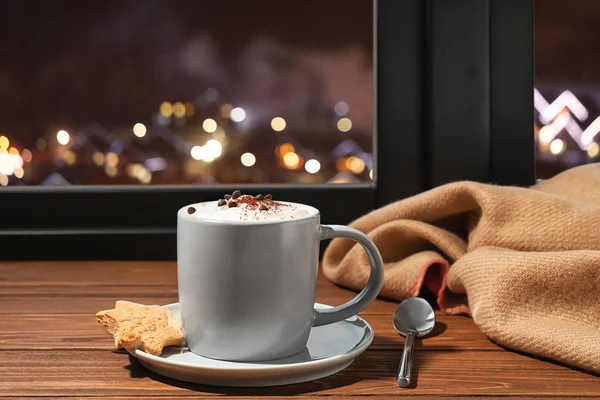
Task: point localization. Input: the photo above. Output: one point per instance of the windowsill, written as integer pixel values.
(49, 326)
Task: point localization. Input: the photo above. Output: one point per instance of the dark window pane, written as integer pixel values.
(567, 94)
(186, 92)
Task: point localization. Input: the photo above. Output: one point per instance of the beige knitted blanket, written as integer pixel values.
(527, 259)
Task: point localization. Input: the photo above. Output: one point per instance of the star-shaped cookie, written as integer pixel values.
(137, 326)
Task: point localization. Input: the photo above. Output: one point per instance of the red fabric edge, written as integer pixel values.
(434, 276)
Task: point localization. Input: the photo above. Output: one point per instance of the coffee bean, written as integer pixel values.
(222, 203)
(236, 194)
(264, 208)
(259, 197)
(268, 197)
(232, 204)
(227, 196)
(191, 210)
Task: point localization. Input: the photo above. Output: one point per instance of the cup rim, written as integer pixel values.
(182, 214)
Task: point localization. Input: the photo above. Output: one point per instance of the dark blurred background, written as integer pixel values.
(233, 91)
(186, 91)
(567, 81)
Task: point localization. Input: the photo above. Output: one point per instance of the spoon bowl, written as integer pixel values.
(414, 315)
(413, 318)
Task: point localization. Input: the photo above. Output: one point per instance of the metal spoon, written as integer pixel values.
(414, 317)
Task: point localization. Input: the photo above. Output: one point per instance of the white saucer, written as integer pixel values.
(330, 349)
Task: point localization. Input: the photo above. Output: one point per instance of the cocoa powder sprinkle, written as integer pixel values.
(252, 203)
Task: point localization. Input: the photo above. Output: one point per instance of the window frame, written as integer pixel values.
(479, 91)
(412, 150)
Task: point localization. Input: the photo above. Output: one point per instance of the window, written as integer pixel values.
(443, 109)
(200, 92)
(567, 104)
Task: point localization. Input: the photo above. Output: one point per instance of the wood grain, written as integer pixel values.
(51, 345)
(96, 286)
(81, 331)
(310, 396)
(107, 373)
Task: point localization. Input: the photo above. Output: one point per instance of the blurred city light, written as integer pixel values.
(166, 109)
(212, 149)
(139, 130)
(189, 109)
(590, 133)
(112, 159)
(178, 110)
(566, 100)
(209, 125)
(197, 153)
(593, 150)
(69, 157)
(138, 171)
(98, 158)
(341, 108)
(63, 137)
(291, 160)
(283, 149)
(9, 162)
(355, 165)
(27, 155)
(238, 114)
(248, 159)
(344, 124)
(278, 124)
(312, 166)
(110, 171)
(155, 164)
(557, 146)
(145, 176)
(133, 170)
(4, 142)
(545, 134)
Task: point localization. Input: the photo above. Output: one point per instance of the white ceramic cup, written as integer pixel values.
(247, 288)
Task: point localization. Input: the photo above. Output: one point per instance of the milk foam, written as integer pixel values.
(277, 211)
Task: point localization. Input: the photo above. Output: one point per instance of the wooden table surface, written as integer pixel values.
(52, 346)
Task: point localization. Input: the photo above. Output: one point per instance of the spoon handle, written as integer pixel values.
(406, 362)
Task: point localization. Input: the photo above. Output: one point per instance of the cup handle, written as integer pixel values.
(374, 284)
